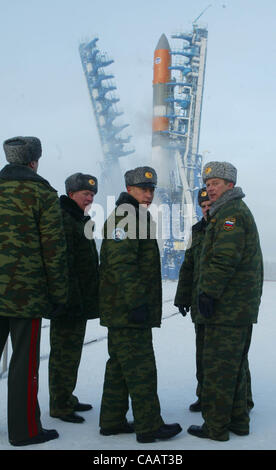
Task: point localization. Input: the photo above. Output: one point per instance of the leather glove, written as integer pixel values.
(183, 309)
(139, 315)
(205, 305)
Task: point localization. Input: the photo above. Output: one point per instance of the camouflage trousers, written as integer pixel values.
(199, 332)
(224, 386)
(130, 372)
(66, 341)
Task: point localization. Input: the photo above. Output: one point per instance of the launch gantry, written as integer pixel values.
(188, 71)
(104, 100)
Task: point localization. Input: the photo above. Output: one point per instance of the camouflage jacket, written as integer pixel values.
(231, 265)
(83, 263)
(34, 275)
(130, 273)
(187, 291)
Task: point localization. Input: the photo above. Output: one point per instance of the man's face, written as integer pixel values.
(216, 187)
(83, 198)
(205, 206)
(143, 195)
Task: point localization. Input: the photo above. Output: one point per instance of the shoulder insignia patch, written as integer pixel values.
(229, 223)
(118, 234)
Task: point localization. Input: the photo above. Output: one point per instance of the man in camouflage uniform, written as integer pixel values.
(130, 306)
(33, 281)
(68, 331)
(186, 294)
(230, 289)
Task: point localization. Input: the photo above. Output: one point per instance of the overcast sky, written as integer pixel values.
(43, 90)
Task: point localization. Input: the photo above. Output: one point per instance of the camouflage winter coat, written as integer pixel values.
(231, 266)
(130, 273)
(34, 275)
(83, 263)
(187, 288)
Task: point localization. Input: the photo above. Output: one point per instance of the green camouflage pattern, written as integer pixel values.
(83, 263)
(130, 271)
(130, 371)
(187, 287)
(224, 393)
(66, 339)
(231, 265)
(34, 275)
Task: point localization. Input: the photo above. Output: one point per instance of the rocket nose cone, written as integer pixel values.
(163, 43)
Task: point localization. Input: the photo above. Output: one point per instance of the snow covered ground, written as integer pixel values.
(175, 357)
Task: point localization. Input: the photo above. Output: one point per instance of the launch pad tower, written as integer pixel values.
(102, 91)
(176, 139)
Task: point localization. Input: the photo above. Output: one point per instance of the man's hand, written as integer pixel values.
(205, 305)
(183, 309)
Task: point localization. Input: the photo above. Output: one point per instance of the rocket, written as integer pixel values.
(161, 160)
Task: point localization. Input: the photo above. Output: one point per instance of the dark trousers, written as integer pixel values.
(23, 407)
(130, 372)
(66, 339)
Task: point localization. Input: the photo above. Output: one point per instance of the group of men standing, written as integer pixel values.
(50, 269)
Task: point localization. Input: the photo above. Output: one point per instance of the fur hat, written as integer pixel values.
(202, 196)
(22, 150)
(143, 176)
(81, 182)
(223, 170)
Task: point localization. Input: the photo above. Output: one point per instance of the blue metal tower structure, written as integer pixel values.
(104, 100)
(185, 96)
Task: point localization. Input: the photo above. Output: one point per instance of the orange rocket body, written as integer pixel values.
(161, 76)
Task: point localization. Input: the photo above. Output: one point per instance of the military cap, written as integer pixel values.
(143, 176)
(81, 182)
(223, 170)
(202, 196)
(22, 150)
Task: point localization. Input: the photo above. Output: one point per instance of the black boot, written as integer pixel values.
(197, 431)
(126, 428)
(166, 431)
(44, 436)
(200, 431)
(83, 407)
(70, 418)
(196, 406)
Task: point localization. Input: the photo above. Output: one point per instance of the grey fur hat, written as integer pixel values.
(142, 176)
(22, 150)
(202, 196)
(81, 182)
(223, 170)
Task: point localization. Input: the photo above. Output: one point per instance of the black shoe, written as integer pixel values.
(196, 406)
(199, 431)
(126, 428)
(83, 407)
(166, 431)
(239, 433)
(44, 436)
(70, 418)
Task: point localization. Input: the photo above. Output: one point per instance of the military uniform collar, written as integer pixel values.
(14, 172)
(70, 206)
(126, 198)
(230, 195)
